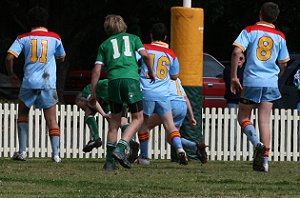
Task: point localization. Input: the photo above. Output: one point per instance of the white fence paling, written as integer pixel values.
(220, 129)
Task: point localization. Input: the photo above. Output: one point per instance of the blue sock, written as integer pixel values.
(144, 149)
(250, 131)
(266, 160)
(55, 145)
(54, 137)
(23, 136)
(188, 144)
(144, 141)
(176, 142)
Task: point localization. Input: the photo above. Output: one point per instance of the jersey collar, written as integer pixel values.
(263, 23)
(35, 29)
(160, 43)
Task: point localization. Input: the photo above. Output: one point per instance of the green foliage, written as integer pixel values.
(85, 178)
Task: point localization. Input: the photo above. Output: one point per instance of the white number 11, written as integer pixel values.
(127, 51)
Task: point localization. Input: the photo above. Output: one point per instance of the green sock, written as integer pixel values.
(92, 124)
(110, 147)
(122, 145)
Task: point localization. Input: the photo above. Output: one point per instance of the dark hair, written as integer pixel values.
(269, 12)
(158, 32)
(37, 17)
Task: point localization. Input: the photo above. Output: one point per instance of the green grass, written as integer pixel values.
(86, 178)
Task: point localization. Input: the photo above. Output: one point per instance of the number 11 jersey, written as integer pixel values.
(40, 50)
(117, 54)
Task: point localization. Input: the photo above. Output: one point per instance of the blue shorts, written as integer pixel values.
(261, 94)
(158, 107)
(40, 98)
(179, 110)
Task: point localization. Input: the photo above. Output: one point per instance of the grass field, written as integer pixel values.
(86, 178)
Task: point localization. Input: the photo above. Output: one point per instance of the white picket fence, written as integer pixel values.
(221, 132)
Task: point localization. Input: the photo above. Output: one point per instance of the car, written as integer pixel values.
(213, 83)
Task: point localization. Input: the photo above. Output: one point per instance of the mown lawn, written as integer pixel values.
(86, 178)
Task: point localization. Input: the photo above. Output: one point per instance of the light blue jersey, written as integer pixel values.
(40, 49)
(264, 45)
(165, 63)
(178, 102)
(176, 90)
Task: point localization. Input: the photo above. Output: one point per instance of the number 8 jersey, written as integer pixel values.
(264, 45)
(40, 49)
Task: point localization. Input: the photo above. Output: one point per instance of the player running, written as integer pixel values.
(156, 96)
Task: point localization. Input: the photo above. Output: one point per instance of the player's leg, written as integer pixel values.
(163, 109)
(26, 100)
(133, 144)
(269, 94)
(130, 131)
(22, 132)
(248, 101)
(250, 98)
(90, 120)
(143, 133)
(114, 124)
(179, 112)
(47, 100)
(264, 113)
(129, 93)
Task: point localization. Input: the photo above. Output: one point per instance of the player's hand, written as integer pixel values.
(107, 116)
(151, 76)
(14, 80)
(193, 122)
(235, 86)
(92, 101)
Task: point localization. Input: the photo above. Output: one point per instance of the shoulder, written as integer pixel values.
(161, 49)
(252, 28)
(40, 33)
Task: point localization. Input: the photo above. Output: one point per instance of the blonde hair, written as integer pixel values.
(114, 24)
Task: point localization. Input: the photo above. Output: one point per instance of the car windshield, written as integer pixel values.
(211, 67)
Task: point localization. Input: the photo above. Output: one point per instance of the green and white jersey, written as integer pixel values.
(117, 54)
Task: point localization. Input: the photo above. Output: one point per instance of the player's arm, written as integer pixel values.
(101, 111)
(9, 63)
(60, 59)
(146, 58)
(174, 69)
(236, 57)
(94, 81)
(192, 119)
(282, 67)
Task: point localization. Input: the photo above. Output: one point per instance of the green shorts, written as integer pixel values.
(124, 90)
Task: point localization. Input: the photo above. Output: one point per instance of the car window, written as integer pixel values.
(211, 66)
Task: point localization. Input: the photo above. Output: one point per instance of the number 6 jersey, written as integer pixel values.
(165, 64)
(263, 45)
(40, 49)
